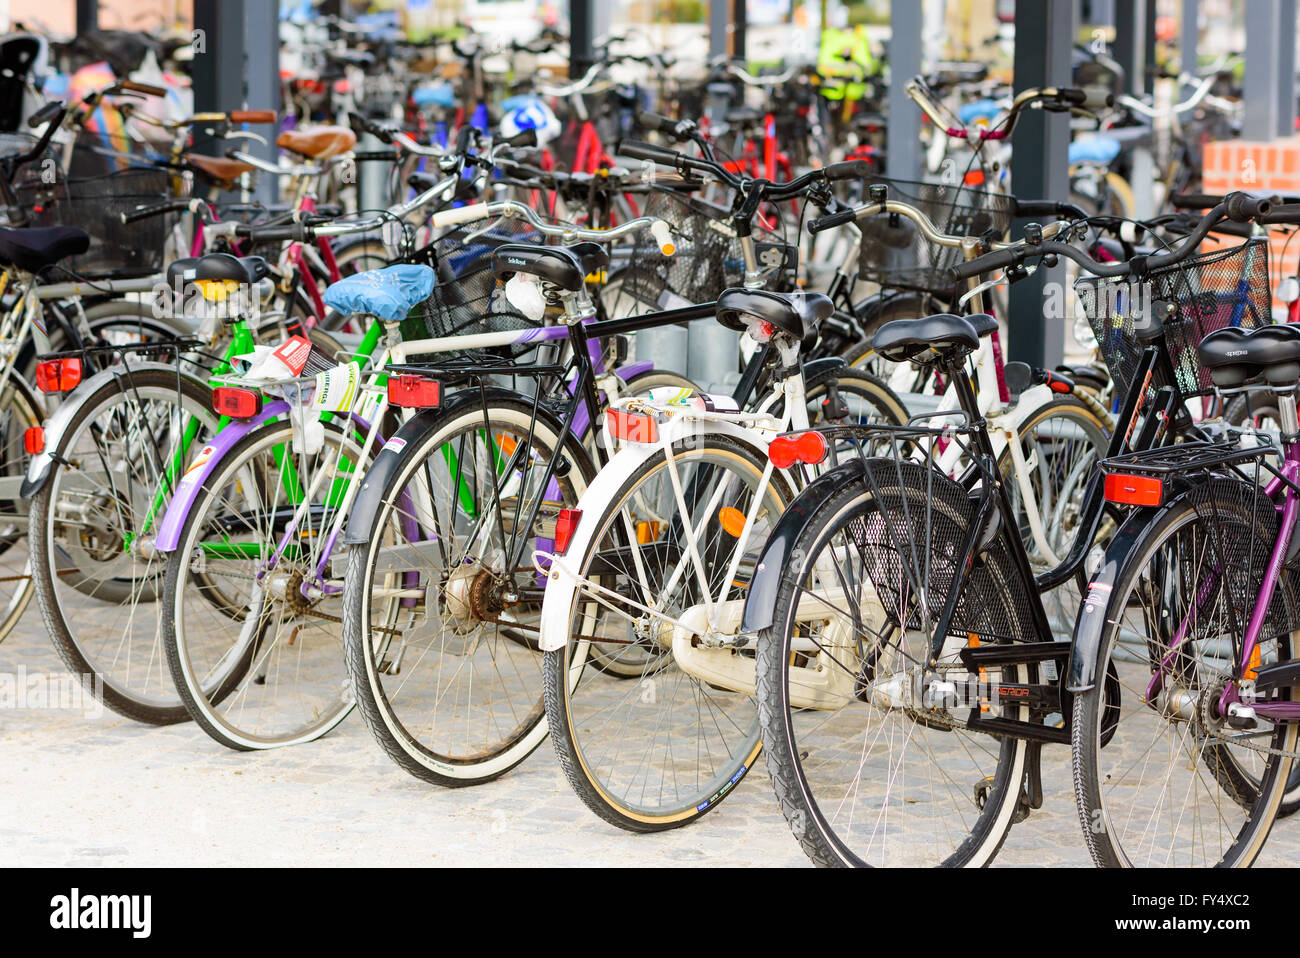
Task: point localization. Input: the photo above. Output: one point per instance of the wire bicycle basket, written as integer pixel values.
(1179, 305)
(896, 255)
(707, 256)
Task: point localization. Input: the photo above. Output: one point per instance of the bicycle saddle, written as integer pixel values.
(561, 266)
(217, 168)
(1235, 356)
(318, 142)
(798, 314)
(223, 266)
(33, 249)
(388, 293)
(923, 341)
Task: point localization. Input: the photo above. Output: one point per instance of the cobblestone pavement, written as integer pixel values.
(110, 792)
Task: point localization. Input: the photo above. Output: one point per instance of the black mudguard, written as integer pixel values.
(776, 556)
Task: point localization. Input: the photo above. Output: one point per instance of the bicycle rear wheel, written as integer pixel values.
(661, 728)
(95, 574)
(1162, 779)
(251, 594)
(871, 758)
(441, 637)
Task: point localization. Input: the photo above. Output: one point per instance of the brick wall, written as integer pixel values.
(1246, 165)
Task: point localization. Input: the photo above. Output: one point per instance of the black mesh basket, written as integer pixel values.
(707, 256)
(96, 204)
(897, 256)
(1180, 305)
(467, 299)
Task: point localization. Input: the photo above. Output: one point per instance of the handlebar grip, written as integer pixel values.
(295, 232)
(1287, 214)
(461, 214)
(143, 88)
(253, 116)
(45, 114)
(1090, 98)
(848, 170)
(1072, 95)
(1027, 209)
(1194, 201)
(148, 212)
(832, 221)
(657, 123)
(1243, 207)
(527, 137)
(987, 263)
(646, 151)
(663, 235)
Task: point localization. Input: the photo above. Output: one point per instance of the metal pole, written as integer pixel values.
(1130, 43)
(718, 23)
(87, 16)
(1286, 68)
(1039, 170)
(261, 73)
(1264, 37)
(905, 22)
(1189, 36)
(582, 37)
(739, 19)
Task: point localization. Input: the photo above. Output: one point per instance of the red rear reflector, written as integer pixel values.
(236, 403)
(58, 375)
(973, 177)
(1134, 490)
(806, 447)
(631, 426)
(566, 523)
(414, 392)
(34, 440)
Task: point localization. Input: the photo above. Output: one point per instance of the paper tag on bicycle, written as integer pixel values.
(336, 389)
(525, 295)
(308, 430)
(293, 352)
(674, 397)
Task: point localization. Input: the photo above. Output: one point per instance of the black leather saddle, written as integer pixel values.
(563, 266)
(943, 337)
(1235, 356)
(798, 314)
(34, 249)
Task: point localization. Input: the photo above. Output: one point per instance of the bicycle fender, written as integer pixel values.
(824, 366)
(777, 551)
(562, 581)
(205, 462)
(1099, 601)
(389, 458)
(38, 470)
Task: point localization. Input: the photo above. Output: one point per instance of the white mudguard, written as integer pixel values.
(562, 581)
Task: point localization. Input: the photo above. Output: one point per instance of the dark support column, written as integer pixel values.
(1039, 170)
(1189, 36)
(87, 15)
(582, 36)
(905, 21)
(719, 20)
(1265, 35)
(739, 19)
(1130, 42)
(261, 68)
(218, 66)
(1286, 68)
(1149, 52)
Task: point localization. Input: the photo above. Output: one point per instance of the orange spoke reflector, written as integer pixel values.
(1252, 669)
(805, 447)
(647, 531)
(236, 403)
(506, 443)
(1134, 490)
(58, 375)
(34, 440)
(733, 521)
(632, 427)
(566, 523)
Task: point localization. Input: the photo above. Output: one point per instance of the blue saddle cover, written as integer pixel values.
(970, 112)
(389, 293)
(1097, 149)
